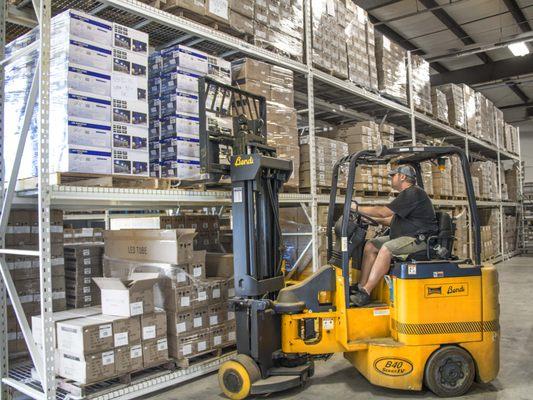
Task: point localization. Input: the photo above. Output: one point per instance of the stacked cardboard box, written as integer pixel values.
(92, 62)
(327, 153)
(83, 262)
(174, 109)
(207, 228)
(392, 71)
(458, 180)
(510, 233)
(511, 139)
(455, 100)
(440, 105)
(442, 180)
(275, 84)
(197, 310)
(421, 85)
(475, 184)
(23, 233)
(487, 247)
(461, 244)
(486, 172)
(83, 235)
(491, 217)
(499, 128)
(128, 334)
(485, 118)
(427, 177)
(511, 181)
(469, 96)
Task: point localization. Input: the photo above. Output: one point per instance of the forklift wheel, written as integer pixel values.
(235, 377)
(449, 372)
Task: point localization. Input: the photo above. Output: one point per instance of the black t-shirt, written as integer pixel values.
(413, 214)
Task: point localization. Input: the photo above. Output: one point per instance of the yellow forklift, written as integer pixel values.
(433, 321)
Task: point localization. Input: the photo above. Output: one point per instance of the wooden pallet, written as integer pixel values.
(400, 100)
(82, 390)
(425, 112)
(290, 189)
(322, 190)
(186, 362)
(372, 193)
(331, 72)
(443, 197)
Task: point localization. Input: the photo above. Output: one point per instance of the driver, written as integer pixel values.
(411, 218)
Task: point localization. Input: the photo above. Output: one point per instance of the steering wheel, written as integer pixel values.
(369, 220)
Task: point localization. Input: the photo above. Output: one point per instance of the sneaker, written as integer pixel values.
(360, 298)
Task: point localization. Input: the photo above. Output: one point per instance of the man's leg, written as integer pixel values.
(379, 269)
(369, 256)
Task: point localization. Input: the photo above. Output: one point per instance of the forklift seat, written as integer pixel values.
(439, 246)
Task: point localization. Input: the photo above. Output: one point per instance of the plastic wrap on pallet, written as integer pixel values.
(455, 100)
(499, 127)
(391, 68)
(421, 84)
(461, 244)
(485, 118)
(511, 138)
(440, 105)
(458, 181)
(469, 96)
(486, 173)
(427, 177)
(442, 182)
(512, 182)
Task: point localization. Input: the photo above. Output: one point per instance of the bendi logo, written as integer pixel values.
(239, 161)
(447, 290)
(393, 366)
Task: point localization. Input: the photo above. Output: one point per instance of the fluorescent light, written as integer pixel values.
(518, 49)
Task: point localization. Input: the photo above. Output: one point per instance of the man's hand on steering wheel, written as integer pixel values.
(369, 220)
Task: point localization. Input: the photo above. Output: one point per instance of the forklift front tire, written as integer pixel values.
(235, 377)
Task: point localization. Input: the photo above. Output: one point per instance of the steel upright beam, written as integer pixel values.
(312, 142)
(3, 299)
(48, 380)
(499, 180)
(411, 96)
(520, 189)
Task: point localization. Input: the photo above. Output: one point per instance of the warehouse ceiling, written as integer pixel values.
(466, 41)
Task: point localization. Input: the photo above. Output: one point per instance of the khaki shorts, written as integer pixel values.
(400, 247)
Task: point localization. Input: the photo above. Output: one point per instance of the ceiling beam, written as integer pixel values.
(454, 27)
(516, 90)
(370, 5)
(405, 43)
(520, 105)
(501, 69)
(518, 15)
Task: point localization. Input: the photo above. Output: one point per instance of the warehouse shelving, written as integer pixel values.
(316, 90)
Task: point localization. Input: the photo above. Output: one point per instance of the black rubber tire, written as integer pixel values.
(449, 372)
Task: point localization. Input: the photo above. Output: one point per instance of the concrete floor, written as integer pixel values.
(338, 380)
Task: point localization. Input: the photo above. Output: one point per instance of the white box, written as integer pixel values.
(181, 169)
(128, 298)
(179, 147)
(130, 39)
(86, 132)
(179, 102)
(89, 54)
(185, 57)
(130, 162)
(85, 335)
(219, 69)
(127, 62)
(129, 87)
(80, 78)
(88, 368)
(180, 124)
(179, 79)
(91, 160)
(85, 26)
(130, 137)
(130, 112)
(88, 106)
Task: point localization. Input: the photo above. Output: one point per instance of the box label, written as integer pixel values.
(197, 272)
(216, 293)
(231, 336)
(136, 308)
(182, 277)
(185, 301)
(202, 296)
(231, 315)
(121, 339)
(149, 332)
(213, 320)
(202, 346)
(108, 357)
(217, 340)
(136, 351)
(105, 330)
(181, 327)
(162, 344)
(197, 322)
(186, 349)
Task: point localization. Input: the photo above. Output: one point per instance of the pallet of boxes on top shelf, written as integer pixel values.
(455, 100)
(23, 233)
(461, 246)
(511, 140)
(276, 85)
(440, 105)
(469, 101)
(512, 182)
(421, 95)
(486, 173)
(485, 119)
(457, 177)
(391, 68)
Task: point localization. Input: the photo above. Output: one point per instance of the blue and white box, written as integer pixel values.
(184, 57)
(85, 132)
(130, 162)
(82, 25)
(129, 87)
(127, 62)
(179, 103)
(82, 52)
(82, 105)
(180, 124)
(82, 79)
(130, 112)
(130, 39)
(131, 137)
(179, 79)
(91, 160)
(178, 147)
(181, 169)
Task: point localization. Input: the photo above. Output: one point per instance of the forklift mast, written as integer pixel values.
(257, 177)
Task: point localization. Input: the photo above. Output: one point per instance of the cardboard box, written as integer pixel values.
(130, 162)
(185, 57)
(217, 314)
(178, 299)
(85, 335)
(154, 325)
(180, 323)
(155, 352)
(127, 297)
(130, 39)
(189, 345)
(171, 246)
(179, 79)
(90, 54)
(89, 368)
(130, 63)
(178, 125)
(219, 264)
(85, 26)
(126, 330)
(200, 318)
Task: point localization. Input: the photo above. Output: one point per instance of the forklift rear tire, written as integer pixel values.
(450, 371)
(235, 377)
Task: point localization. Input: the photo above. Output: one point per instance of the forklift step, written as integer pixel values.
(276, 383)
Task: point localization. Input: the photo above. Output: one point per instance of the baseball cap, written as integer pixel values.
(407, 170)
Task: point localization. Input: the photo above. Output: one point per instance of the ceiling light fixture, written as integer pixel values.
(518, 49)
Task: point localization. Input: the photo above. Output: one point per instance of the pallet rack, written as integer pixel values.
(316, 92)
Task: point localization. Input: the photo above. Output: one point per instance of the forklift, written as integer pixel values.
(433, 321)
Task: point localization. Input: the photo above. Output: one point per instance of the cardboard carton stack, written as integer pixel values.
(174, 109)
(461, 244)
(458, 180)
(96, 91)
(485, 118)
(128, 333)
(392, 71)
(198, 320)
(421, 85)
(511, 138)
(455, 100)
(475, 184)
(440, 105)
(486, 172)
(499, 128)
(327, 153)
(23, 233)
(427, 177)
(275, 84)
(442, 180)
(491, 218)
(487, 247)
(511, 181)
(207, 228)
(83, 262)
(469, 96)
(510, 233)
(83, 235)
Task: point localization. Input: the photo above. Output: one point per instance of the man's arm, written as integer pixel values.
(383, 221)
(376, 211)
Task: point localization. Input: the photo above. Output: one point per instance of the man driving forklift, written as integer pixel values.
(411, 219)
